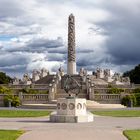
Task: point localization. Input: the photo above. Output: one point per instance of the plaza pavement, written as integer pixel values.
(103, 128)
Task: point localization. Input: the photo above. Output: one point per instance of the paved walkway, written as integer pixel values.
(103, 128)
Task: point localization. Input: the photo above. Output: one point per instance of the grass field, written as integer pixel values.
(132, 134)
(118, 113)
(23, 113)
(10, 134)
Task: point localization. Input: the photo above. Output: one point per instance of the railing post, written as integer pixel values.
(51, 93)
(9, 103)
(91, 93)
(20, 95)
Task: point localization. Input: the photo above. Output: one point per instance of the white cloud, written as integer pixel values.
(31, 26)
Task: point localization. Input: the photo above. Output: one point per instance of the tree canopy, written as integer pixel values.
(4, 79)
(134, 74)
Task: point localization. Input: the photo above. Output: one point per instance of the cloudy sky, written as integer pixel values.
(33, 34)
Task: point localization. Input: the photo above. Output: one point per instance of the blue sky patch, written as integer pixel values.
(5, 37)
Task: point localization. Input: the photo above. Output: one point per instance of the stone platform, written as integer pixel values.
(71, 111)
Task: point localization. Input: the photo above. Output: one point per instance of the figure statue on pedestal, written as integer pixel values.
(61, 71)
(26, 79)
(16, 81)
(44, 72)
(107, 73)
(82, 72)
(117, 77)
(35, 75)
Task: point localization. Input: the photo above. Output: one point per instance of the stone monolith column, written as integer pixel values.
(71, 66)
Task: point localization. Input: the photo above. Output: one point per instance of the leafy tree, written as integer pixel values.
(14, 100)
(32, 91)
(9, 97)
(4, 79)
(129, 100)
(136, 93)
(134, 74)
(25, 90)
(136, 90)
(114, 90)
(5, 90)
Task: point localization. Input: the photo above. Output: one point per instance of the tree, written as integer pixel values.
(4, 79)
(134, 75)
(5, 90)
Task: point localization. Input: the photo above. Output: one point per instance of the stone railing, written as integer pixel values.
(33, 86)
(108, 98)
(20, 86)
(101, 90)
(136, 85)
(40, 86)
(34, 98)
(105, 90)
(28, 98)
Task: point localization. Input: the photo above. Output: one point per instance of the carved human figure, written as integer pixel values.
(16, 81)
(82, 72)
(107, 73)
(36, 75)
(126, 79)
(99, 73)
(61, 71)
(44, 72)
(26, 77)
(117, 77)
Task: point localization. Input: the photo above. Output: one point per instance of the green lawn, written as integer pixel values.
(132, 134)
(10, 134)
(23, 113)
(118, 113)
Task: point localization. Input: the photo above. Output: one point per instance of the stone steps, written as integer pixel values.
(94, 104)
(90, 105)
(38, 106)
(64, 95)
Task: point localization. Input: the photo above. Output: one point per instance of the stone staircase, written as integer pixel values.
(45, 80)
(38, 106)
(62, 94)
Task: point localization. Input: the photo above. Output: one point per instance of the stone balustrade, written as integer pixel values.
(28, 98)
(105, 90)
(42, 86)
(44, 98)
(22, 86)
(34, 98)
(108, 98)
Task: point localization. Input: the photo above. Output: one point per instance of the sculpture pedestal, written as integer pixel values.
(71, 110)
